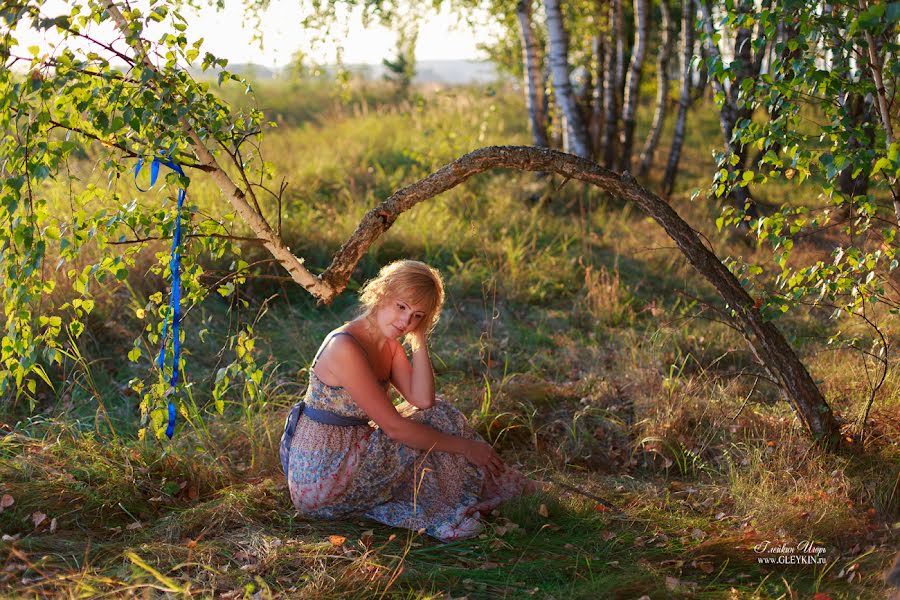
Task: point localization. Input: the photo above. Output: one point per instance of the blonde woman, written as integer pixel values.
(421, 466)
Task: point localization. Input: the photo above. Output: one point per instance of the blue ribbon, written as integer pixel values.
(175, 269)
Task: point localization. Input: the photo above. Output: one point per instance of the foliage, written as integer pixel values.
(57, 106)
(819, 80)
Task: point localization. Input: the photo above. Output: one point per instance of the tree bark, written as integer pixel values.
(597, 102)
(611, 85)
(562, 85)
(875, 66)
(662, 88)
(635, 68)
(767, 343)
(534, 82)
(730, 113)
(684, 97)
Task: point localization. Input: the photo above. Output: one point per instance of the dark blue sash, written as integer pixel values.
(316, 414)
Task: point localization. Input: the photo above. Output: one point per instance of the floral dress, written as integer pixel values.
(337, 472)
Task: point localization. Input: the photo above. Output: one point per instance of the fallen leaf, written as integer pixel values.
(53, 525)
(38, 517)
(542, 510)
(490, 565)
(671, 583)
(6, 501)
(133, 526)
(706, 567)
(698, 534)
(601, 508)
(607, 535)
(720, 516)
(673, 562)
(500, 530)
(337, 540)
(9, 538)
(821, 596)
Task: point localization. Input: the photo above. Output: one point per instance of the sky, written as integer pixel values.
(229, 34)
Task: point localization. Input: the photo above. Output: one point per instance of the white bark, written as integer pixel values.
(662, 88)
(635, 67)
(562, 86)
(235, 196)
(534, 82)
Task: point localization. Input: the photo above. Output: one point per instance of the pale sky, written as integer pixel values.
(228, 34)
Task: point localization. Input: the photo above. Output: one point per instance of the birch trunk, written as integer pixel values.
(635, 68)
(684, 97)
(576, 129)
(611, 86)
(875, 66)
(534, 82)
(662, 88)
(597, 101)
(730, 112)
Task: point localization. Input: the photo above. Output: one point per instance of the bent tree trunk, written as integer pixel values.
(662, 88)
(684, 98)
(767, 343)
(765, 340)
(635, 67)
(576, 129)
(534, 83)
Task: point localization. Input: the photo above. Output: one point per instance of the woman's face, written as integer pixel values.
(396, 317)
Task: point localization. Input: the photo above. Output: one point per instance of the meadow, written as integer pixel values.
(575, 336)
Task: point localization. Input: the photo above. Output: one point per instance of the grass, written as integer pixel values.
(576, 339)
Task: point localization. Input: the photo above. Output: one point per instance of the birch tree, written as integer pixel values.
(575, 125)
(666, 44)
(684, 97)
(635, 68)
(534, 81)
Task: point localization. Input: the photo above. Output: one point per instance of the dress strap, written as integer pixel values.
(328, 341)
(358, 343)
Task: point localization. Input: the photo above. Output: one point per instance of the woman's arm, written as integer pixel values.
(415, 383)
(357, 378)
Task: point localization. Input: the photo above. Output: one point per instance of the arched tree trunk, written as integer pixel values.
(534, 82)
(562, 85)
(635, 68)
(684, 98)
(666, 44)
(613, 59)
(767, 343)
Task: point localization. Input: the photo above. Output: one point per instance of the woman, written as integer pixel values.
(423, 467)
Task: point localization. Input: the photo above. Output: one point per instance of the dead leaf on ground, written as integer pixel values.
(543, 511)
(37, 517)
(6, 501)
(607, 535)
(672, 562)
(53, 525)
(698, 534)
(337, 540)
(706, 567)
(133, 526)
(671, 583)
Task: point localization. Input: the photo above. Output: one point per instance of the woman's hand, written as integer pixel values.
(483, 456)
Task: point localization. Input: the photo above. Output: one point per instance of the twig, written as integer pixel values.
(575, 490)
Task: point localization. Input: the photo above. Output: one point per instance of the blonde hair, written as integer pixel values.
(411, 281)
